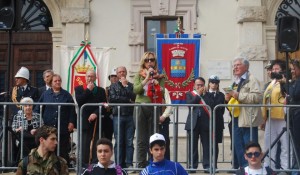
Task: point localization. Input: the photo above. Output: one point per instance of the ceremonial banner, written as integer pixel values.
(76, 60)
(178, 59)
(82, 61)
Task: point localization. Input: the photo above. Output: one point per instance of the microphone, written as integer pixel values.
(151, 73)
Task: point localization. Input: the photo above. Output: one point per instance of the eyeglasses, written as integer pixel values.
(149, 60)
(256, 154)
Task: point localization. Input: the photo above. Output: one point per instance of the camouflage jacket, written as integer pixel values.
(38, 165)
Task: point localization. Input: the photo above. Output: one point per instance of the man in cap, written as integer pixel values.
(22, 89)
(158, 164)
(217, 98)
(112, 77)
(108, 128)
(268, 67)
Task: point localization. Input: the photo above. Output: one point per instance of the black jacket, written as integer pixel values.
(30, 91)
(198, 112)
(218, 98)
(84, 96)
(120, 94)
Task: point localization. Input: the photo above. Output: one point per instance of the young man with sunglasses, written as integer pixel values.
(253, 155)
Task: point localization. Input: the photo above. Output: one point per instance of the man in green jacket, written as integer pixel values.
(42, 160)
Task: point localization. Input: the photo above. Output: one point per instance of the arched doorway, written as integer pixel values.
(288, 8)
(30, 42)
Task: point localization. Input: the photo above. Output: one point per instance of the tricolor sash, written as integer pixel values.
(202, 102)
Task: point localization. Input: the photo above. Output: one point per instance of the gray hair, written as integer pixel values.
(26, 100)
(243, 60)
(47, 71)
(91, 70)
(120, 68)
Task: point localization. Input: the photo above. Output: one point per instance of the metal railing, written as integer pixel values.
(175, 124)
(6, 140)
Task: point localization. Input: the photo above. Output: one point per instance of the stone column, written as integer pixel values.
(57, 39)
(75, 19)
(250, 16)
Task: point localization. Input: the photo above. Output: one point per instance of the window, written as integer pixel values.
(154, 26)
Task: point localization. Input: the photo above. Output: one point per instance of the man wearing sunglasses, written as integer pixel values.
(253, 155)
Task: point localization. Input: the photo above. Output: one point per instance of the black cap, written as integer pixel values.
(214, 79)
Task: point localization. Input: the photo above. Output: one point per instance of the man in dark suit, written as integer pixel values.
(22, 89)
(198, 121)
(47, 76)
(90, 93)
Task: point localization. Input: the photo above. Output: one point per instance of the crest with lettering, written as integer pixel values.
(82, 61)
(178, 59)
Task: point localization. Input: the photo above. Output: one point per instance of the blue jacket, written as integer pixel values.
(50, 112)
(164, 167)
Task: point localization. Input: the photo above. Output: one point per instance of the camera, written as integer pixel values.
(276, 75)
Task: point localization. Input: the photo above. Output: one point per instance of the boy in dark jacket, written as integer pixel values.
(159, 165)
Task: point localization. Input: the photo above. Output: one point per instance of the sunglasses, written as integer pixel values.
(256, 154)
(149, 60)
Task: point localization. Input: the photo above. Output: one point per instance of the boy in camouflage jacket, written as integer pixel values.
(42, 160)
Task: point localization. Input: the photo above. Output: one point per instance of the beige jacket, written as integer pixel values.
(250, 93)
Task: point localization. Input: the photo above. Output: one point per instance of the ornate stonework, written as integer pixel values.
(163, 7)
(252, 14)
(140, 9)
(254, 52)
(135, 38)
(75, 15)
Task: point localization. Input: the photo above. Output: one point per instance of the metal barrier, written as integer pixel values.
(5, 127)
(213, 170)
(175, 128)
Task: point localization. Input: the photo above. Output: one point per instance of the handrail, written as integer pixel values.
(177, 108)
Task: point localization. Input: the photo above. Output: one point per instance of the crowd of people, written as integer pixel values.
(148, 87)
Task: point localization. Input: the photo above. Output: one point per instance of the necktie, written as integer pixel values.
(22, 91)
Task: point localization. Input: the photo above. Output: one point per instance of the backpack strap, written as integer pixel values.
(24, 166)
(57, 165)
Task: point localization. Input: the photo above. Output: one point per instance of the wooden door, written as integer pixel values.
(29, 49)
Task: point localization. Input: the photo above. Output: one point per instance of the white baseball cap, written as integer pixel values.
(156, 137)
(112, 73)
